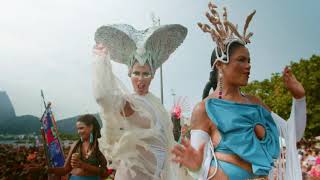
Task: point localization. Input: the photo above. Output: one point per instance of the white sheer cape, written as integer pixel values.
(291, 131)
(139, 144)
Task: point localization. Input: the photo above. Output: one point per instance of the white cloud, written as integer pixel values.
(47, 45)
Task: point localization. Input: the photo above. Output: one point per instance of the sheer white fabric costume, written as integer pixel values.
(288, 164)
(138, 145)
(142, 140)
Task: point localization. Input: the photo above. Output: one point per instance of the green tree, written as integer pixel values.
(273, 92)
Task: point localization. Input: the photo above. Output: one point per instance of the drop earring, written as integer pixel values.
(91, 138)
(220, 85)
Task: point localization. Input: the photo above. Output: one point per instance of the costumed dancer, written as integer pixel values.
(137, 130)
(234, 135)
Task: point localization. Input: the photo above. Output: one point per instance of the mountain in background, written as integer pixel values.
(68, 125)
(28, 124)
(6, 108)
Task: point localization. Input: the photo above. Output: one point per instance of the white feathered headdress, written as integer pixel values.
(153, 45)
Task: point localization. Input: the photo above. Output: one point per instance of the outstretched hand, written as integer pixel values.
(292, 84)
(100, 50)
(187, 156)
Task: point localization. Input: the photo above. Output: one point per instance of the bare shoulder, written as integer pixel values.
(255, 100)
(199, 117)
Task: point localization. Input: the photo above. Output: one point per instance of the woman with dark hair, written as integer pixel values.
(87, 161)
(213, 77)
(84, 161)
(234, 135)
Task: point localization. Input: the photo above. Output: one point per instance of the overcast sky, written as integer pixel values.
(47, 45)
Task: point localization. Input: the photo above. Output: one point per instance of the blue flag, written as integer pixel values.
(52, 143)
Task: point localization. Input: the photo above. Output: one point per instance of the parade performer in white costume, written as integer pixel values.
(235, 136)
(137, 130)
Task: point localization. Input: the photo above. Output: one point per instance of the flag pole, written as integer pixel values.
(156, 22)
(44, 140)
(161, 84)
(49, 130)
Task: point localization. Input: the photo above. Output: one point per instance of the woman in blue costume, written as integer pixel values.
(234, 135)
(84, 161)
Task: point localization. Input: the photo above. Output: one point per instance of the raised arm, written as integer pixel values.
(109, 92)
(296, 123)
(292, 130)
(298, 111)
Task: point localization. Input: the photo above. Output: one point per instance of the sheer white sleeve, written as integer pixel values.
(291, 131)
(106, 88)
(299, 116)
